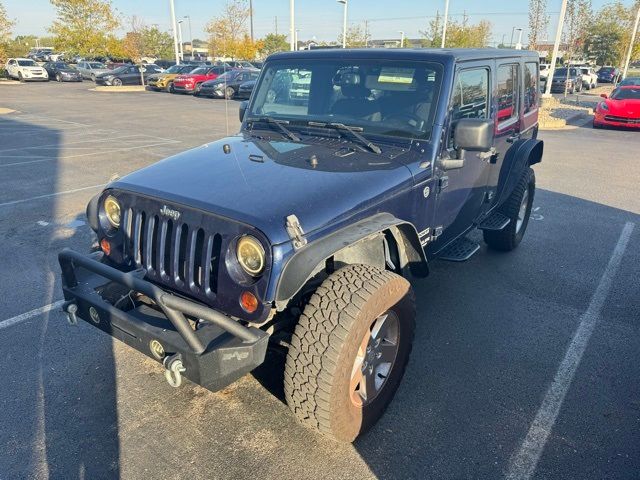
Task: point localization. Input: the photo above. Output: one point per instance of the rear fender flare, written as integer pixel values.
(312, 257)
(520, 156)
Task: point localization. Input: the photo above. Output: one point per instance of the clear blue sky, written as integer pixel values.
(321, 19)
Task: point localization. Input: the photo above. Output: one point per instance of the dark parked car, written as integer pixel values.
(227, 84)
(567, 80)
(301, 232)
(245, 89)
(62, 72)
(609, 75)
(126, 75)
(630, 81)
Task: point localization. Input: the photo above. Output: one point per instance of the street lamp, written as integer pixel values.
(401, 38)
(444, 26)
(344, 23)
(292, 25)
(296, 37)
(180, 39)
(513, 31)
(188, 17)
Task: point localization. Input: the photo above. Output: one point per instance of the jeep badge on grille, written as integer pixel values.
(169, 212)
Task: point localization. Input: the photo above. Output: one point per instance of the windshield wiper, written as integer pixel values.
(278, 123)
(352, 130)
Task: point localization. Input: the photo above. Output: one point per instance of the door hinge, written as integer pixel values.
(295, 232)
(443, 183)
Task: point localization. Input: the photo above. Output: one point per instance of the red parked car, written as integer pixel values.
(190, 82)
(621, 109)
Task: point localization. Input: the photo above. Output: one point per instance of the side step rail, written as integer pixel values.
(460, 250)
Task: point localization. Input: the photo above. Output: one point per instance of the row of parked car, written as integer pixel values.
(576, 78)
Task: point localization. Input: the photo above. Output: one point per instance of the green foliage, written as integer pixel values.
(459, 34)
(610, 34)
(356, 37)
(83, 26)
(6, 25)
(273, 43)
(538, 22)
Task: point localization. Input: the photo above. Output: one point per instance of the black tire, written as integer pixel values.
(93, 78)
(116, 82)
(510, 237)
(20, 77)
(196, 90)
(169, 87)
(58, 77)
(229, 93)
(320, 366)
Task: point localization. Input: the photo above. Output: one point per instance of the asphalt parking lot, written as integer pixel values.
(525, 365)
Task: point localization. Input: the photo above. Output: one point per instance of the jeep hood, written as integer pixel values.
(260, 182)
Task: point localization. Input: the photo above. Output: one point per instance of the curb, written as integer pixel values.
(561, 123)
(123, 89)
(5, 111)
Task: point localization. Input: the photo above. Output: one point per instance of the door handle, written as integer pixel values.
(513, 138)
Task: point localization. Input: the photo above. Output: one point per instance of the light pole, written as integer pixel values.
(180, 40)
(401, 38)
(444, 26)
(519, 44)
(175, 31)
(188, 17)
(297, 31)
(344, 23)
(251, 18)
(292, 25)
(513, 32)
(633, 39)
(556, 47)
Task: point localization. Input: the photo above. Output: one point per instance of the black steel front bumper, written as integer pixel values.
(217, 353)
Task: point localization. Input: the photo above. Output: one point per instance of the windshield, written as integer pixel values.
(27, 63)
(62, 66)
(630, 81)
(200, 71)
(226, 75)
(395, 98)
(97, 65)
(562, 72)
(626, 94)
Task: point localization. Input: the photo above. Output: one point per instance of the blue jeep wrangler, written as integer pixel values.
(353, 170)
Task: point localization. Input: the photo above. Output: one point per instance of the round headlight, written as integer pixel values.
(112, 210)
(250, 253)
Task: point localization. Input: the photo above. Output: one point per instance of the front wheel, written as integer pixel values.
(20, 77)
(58, 77)
(169, 87)
(518, 208)
(116, 82)
(229, 93)
(349, 350)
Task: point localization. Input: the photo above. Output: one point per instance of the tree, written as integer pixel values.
(83, 26)
(459, 34)
(356, 37)
(577, 22)
(273, 43)
(610, 34)
(538, 22)
(228, 34)
(6, 25)
(157, 44)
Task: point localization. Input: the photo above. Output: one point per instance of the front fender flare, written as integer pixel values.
(300, 267)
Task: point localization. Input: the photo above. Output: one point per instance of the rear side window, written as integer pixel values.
(471, 94)
(531, 89)
(507, 92)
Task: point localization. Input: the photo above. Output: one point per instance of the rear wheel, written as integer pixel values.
(518, 208)
(58, 77)
(20, 77)
(229, 93)
(169, 87)
(349, 350)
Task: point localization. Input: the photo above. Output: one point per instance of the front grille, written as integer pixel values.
(173, 253)
(614, 118)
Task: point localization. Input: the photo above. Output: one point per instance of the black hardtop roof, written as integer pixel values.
(417, 54)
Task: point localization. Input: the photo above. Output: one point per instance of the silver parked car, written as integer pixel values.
(90, 69)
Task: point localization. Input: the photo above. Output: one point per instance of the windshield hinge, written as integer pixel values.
(296, 234)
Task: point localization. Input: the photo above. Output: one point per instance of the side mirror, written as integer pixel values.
(604, 95)
(243, 109)
(474, 134)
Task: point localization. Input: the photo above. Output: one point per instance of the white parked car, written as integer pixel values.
(589, 77)
(24, 69)
(544, 70)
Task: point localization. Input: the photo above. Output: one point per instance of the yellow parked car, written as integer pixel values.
(164, 80)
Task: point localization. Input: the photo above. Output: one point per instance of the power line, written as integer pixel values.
(463, 14)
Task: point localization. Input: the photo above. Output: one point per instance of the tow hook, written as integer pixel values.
(174, 370)
(71, 311)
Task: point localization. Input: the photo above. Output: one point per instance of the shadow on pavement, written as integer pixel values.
(58, 407)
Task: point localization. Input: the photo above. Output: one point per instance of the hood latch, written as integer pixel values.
(296, 234)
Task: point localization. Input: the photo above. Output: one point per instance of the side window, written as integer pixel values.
(531, 89)
(471, 94)
(507, 92)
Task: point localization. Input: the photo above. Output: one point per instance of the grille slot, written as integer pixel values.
(174, 253)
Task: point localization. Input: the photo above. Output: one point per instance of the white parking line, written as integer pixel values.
(14, 202)
(33, 313)
(524, 463)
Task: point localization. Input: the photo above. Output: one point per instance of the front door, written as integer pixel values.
(461, 192)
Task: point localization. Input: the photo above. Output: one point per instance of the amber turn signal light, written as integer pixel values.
(248, 302)
(105, 246)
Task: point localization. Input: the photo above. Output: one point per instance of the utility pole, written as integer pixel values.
(366, 33)
(276, 22)
(180, 51)
(556, 47)
(251, 18)
(175, 31)
(188, 17)
(292, 25)
(633, 39)
(344, 23)
(444, 26)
